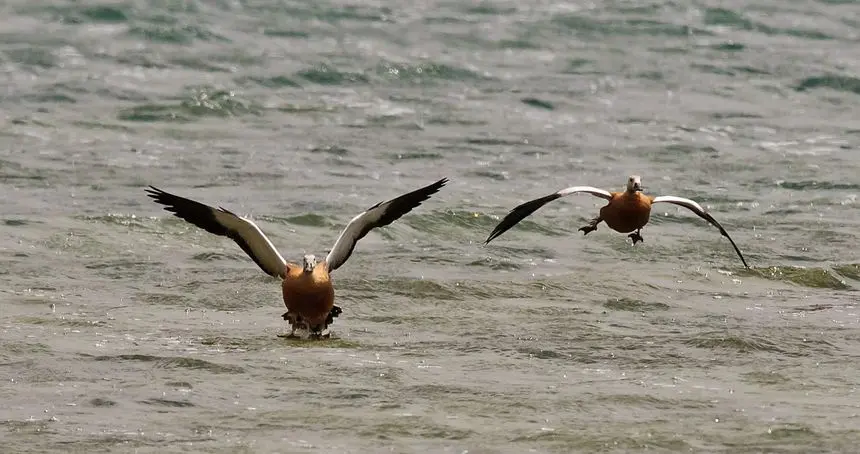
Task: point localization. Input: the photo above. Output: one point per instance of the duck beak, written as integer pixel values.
(309, 263)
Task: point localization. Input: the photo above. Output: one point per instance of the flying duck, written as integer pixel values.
(626, 212)
(307, 288)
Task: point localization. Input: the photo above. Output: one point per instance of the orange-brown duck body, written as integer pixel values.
(309, 296)
(626, 211)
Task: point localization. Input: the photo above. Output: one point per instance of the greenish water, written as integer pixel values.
(125, 330)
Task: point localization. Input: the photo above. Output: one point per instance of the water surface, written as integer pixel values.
(123, 329)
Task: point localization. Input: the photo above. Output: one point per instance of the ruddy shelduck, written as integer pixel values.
(307, 288)
(626, 212)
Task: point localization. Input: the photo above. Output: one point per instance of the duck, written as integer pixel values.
(628, 211)
(307, 288)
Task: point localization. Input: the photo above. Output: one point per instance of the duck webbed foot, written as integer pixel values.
(592, 226)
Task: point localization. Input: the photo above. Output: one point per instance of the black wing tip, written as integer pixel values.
(742, 258)
(519, 213)
(160, 196)
(181, 207)
(501, 228)
(152, 191)
(497, 231)
(434, 187)
(427, 191)
(708, 217)
(419, 195)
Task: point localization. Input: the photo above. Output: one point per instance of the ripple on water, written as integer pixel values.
(332, 342)
(100, 402)
(307, 220)
(424, 73)
(35, 57)
(195, 103)
(279, 81)
(610, 439)
(161, 402)
(591, 28)
(83, 14)
(13, 171)
(727, 18)
(168, 362)
(817, 185)
(475, 225)
(851, 271)
(416, 156)
(538, 103)
(789, 437)
(326, 75)
(740, 343)
(647, 401)
(125, 220)
(634, 305)
(770, 378)
(495, 264)
(325, 12)
(19, 348)
(442, 221)
(806, 277)
(179, 299)
(124, 268)
(215, 256)
(415, 289)
(174, 33)
(831, 81)
(17, 222)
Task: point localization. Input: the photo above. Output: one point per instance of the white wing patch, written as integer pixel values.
(224, 223)
(524, 210)
(589, 189)
(687, 203)
(259, 247)
(347, 239)
(696, 208)
(379, 215)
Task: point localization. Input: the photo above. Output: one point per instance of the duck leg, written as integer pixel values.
(319, 332)
(592, 226)
(636, 237)
(294, 323)
(292, 334)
